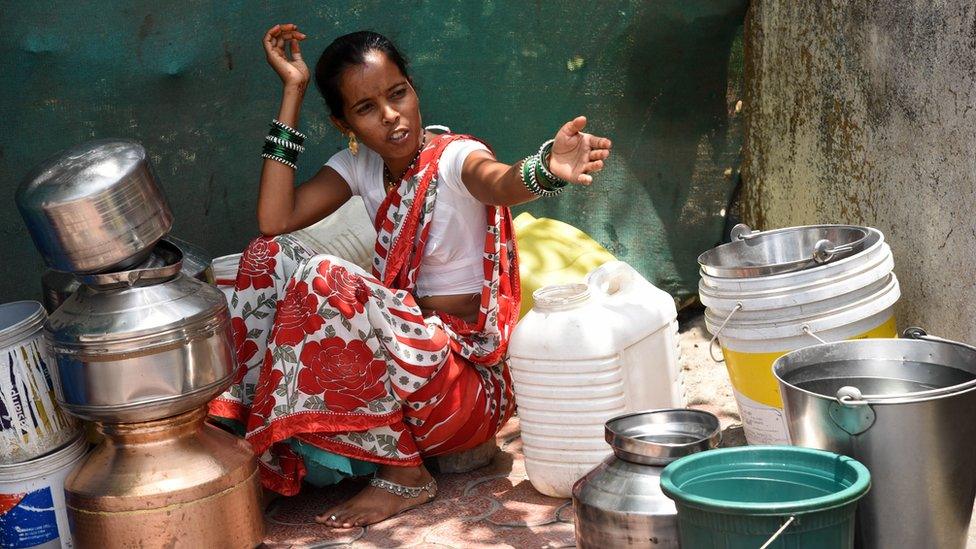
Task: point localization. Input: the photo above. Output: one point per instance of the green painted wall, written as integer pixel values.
(190, 82)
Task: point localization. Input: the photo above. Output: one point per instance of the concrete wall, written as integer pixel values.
(865, 112)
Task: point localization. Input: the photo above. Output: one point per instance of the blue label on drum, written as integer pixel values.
(27, 519)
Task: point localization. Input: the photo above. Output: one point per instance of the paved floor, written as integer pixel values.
(495, 506)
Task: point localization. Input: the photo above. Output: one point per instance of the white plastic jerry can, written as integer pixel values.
(584, 354)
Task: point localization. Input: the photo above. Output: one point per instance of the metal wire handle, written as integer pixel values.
(778, 533)
(711, 344)
(806, 329)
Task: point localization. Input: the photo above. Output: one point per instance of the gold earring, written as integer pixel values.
(353, 144)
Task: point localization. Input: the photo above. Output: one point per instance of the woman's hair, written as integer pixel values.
(347, 51)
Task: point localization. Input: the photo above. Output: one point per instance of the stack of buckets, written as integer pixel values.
(39, 443)
(758, 319)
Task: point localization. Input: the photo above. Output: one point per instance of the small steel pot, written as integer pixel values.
(95, 207)
(620, 502)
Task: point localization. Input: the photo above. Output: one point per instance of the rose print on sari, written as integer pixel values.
(244, 348)
(344, 291)
(297, 315)
(346, 375)
(257, 265)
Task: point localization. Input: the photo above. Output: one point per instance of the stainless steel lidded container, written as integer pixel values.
(95, 207)
(905, 409)
(620, 503)
(143, 344)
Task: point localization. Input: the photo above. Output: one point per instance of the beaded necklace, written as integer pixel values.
(388, 181)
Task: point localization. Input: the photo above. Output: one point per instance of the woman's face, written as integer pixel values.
(381, 107)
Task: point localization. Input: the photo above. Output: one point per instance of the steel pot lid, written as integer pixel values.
(94, 207)
(107, 321)
(658, 437)
(754, 253)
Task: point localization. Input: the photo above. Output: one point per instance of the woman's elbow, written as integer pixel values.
(271, 227)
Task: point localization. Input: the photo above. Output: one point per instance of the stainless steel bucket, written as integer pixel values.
(764, 253)
(905, 409)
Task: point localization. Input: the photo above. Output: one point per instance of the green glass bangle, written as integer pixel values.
(281, 133)
(286, 127)
(545, 151)
(283, 152)
(281, 160)
(529, 168)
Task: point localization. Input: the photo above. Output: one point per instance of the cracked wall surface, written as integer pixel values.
(863, 112)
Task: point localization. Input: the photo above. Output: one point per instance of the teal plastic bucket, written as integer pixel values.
(742, 497)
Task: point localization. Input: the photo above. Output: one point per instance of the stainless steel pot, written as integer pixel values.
(95, 207)
(904, 408)
(141, 345)
(763, 253)
(620, 503)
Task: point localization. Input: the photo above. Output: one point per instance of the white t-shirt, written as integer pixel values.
(453, 260)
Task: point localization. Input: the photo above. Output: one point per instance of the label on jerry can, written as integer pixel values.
(28, 520)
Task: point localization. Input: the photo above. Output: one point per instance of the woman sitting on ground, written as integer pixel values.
(344, 372)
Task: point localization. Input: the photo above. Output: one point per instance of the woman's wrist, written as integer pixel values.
(291, 106)
(296, 91)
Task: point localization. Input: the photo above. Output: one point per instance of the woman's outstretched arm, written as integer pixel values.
(575, 156)
(282, 207)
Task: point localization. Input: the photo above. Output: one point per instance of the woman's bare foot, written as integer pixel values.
(375, 504)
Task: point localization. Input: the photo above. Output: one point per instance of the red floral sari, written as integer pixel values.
(344, 361)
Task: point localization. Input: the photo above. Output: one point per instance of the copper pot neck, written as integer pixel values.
(183, 424)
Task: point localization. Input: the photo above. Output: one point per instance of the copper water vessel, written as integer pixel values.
(174, 482)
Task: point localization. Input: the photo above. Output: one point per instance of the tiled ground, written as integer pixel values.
(491, 507)
(495, 506)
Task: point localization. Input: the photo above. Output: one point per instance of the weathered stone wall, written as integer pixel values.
(865, 112)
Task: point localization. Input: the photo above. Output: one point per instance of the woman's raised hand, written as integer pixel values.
(575, 155)
(281, 41)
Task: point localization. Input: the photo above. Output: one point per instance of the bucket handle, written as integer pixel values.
(778, 533)
(742, 232)
(806, 329)
(847, 397)
(824, 250)
(711, 344)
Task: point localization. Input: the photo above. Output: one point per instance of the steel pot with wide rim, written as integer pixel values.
(143, 344)
(95, 207)
(620, 502)
(903, 408)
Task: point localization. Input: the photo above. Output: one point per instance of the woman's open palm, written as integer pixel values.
(281, 41)
(575, 155)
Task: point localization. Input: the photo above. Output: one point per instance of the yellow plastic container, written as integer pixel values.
(552, 252)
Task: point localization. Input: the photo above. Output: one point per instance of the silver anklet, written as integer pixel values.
(406, 492)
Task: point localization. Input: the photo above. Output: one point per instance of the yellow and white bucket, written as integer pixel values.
(757, 320)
